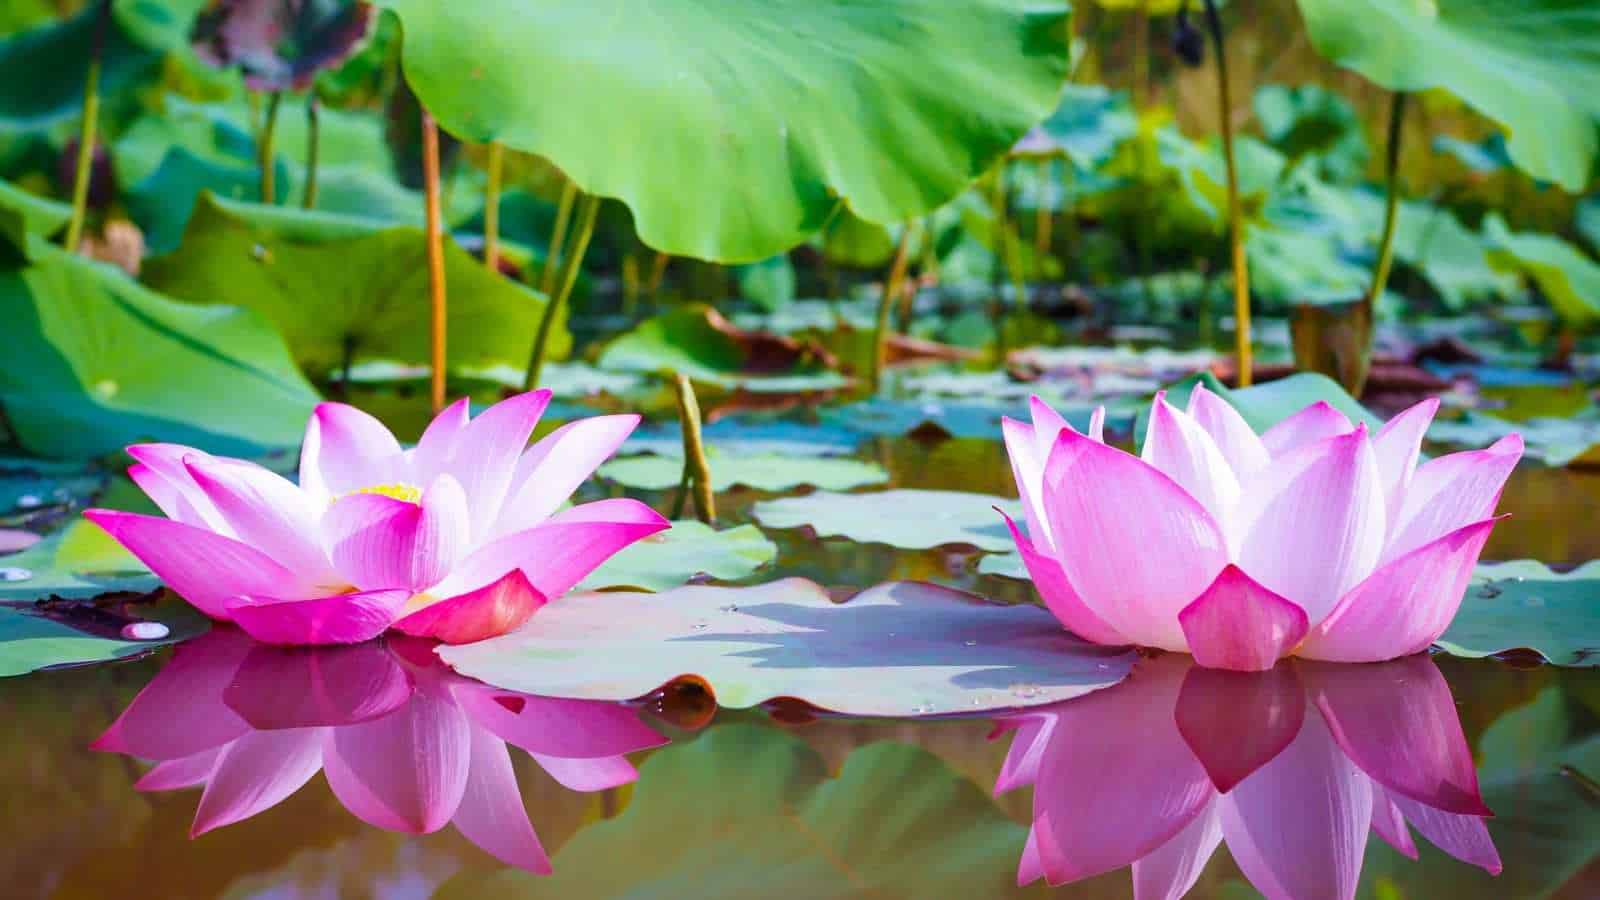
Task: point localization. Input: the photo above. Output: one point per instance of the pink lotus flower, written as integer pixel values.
(1314, 539)
(459, 538)
(406, 744)
(1291, 767)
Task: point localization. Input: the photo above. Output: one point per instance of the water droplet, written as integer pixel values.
(1533, 602)
(730, 608)
(13, 573)
(700, 626)
(922, 709)
(1102, 665)
(29, 501)
(259, 253)
(1489, 591)
(1025, 691)
(1518, 579)
(106, 388)
(970, 643)
(144, 631)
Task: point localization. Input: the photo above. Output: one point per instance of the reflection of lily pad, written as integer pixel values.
(679, 554)
(1559, 442)
(1523, 605)
(905, 518)
(762, 471)
(903, 648)
(766, 820)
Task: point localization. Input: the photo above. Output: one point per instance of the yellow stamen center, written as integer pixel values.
(398, 490)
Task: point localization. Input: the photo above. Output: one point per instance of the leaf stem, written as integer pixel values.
(891, 289)
(1391, 203)
(264, 149)
(491, 206)
(696, 467)
(1043, 217)
(436, 283)
(1241, 267)
(558, 236)
(84, 167)
(588, 211)
(313, 148)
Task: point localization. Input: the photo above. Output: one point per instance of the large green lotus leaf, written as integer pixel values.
(697, 341)
(91, 361)
(769, 284)
(1587, 217)
(366, 296)
(1310, 121)
(1293, 266)
(733, 128)
(42, 70)
(908, 518)
(684, 552)
(849, 240)
(762, 471)
(1569, 279)
(1265, 405)
(767, 820)
(39, 215)
(1523, 605)
(1531, 65)
(897, 649)
(1088, 125)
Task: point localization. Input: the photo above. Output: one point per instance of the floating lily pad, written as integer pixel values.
(682, 553)
(1522, 605)
(906, 518)
(23, 490)
(1558, 442)
(78, 562)
(1005, 565)
(893, 418)
(699, 342)
(747, 437)
(762, 471)
(898, 649)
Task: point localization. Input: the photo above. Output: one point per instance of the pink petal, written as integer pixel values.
(181, 713)
(561, 551)
(1171, 870)
(1390, 825)
(438, 440)
(164, 477)
(1237, 722)
(177, 774)
(1234, 437)
(266, 511)
(380, 542)
(548, 726)
(548, 473)
(1135, 546)
(339, 619)
(487, 612)
(1047, 426)
(1316, 422)
(255, 773)
(1313, 522)
(279, 687)
(588, 775)
(1041, 855)
(346, 449)
(1398, 722)
(485, 454)
(1398, 444)
(1404, 606)
(1021, 766)
(1027, 469)
(1097, 425)
(1450, 492)
(203, 567)
(406, 771)
(1058, 595)
(1238, 624)
(1298, 826)
(491, 813)
(1176, 445)
(1465, 837)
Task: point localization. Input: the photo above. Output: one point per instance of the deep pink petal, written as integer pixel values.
(1134, 545)
(339, 619)
(491, 813)
(1312, 523)
(438, 440)
(1237, 722)
(1058, 595)
(559, 552)
(177, 774)
(166, 480)
(266, 511)
(1238, 624)
(1390, 824)
(1398, 444)
(379, 542)
(487, 612)
(406, 771)
(1032, 736)
(280, 687)
(1298, 826)
(1404, 606)
(1397, 721)
(485, 454)
(1316, 422)
(1176, 445)
(181, 712)
(346, 449)
(549, 471)
(255, 773)
(1465, 837)
(588, 775)
(1237, 441)
(1451, 492)
(1168, 872)
(203, 567)
(1042, 856)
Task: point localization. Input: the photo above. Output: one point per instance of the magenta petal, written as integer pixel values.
(1390, 824)
(1316, 422)
(266, 511)
(1237, 722)
(588, 775)
(203, 567)
(487, 612)
(1234, 437)
(177, 774)
(1058, 595)
(1134, 545)
(1451, 492)
(1404, 606)
(181, 712)
(485, 455)
(549, 471)
(1021, 766)
(1398, 444)
(165, 478)
(1177, 445)
(380, 542)
(282, 687)
(406, 771)
(1171, 870)
(549, 726)
(255, 773)
(1465, 837)
(1042, 856)
(1238, 624)
(1398, 722)
(339, 619)
(346, 449)
(491, 813)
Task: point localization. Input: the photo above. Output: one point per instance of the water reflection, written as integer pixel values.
(1290, 767)
(406, 744)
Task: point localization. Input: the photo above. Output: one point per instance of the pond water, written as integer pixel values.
(324, 761)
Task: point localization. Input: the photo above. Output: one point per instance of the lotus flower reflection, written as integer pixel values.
(406, 744)
(1313, 539)
(1291, 767)
(458, 538)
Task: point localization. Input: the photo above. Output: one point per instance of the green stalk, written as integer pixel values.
(313, 148)
(84, 167)
(1391, 204)
(891, 289)
(696, 468)
(264, 149)
(558, 236)
(491, 206)
(435, 231)
(1241, 268)
(588, 211)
